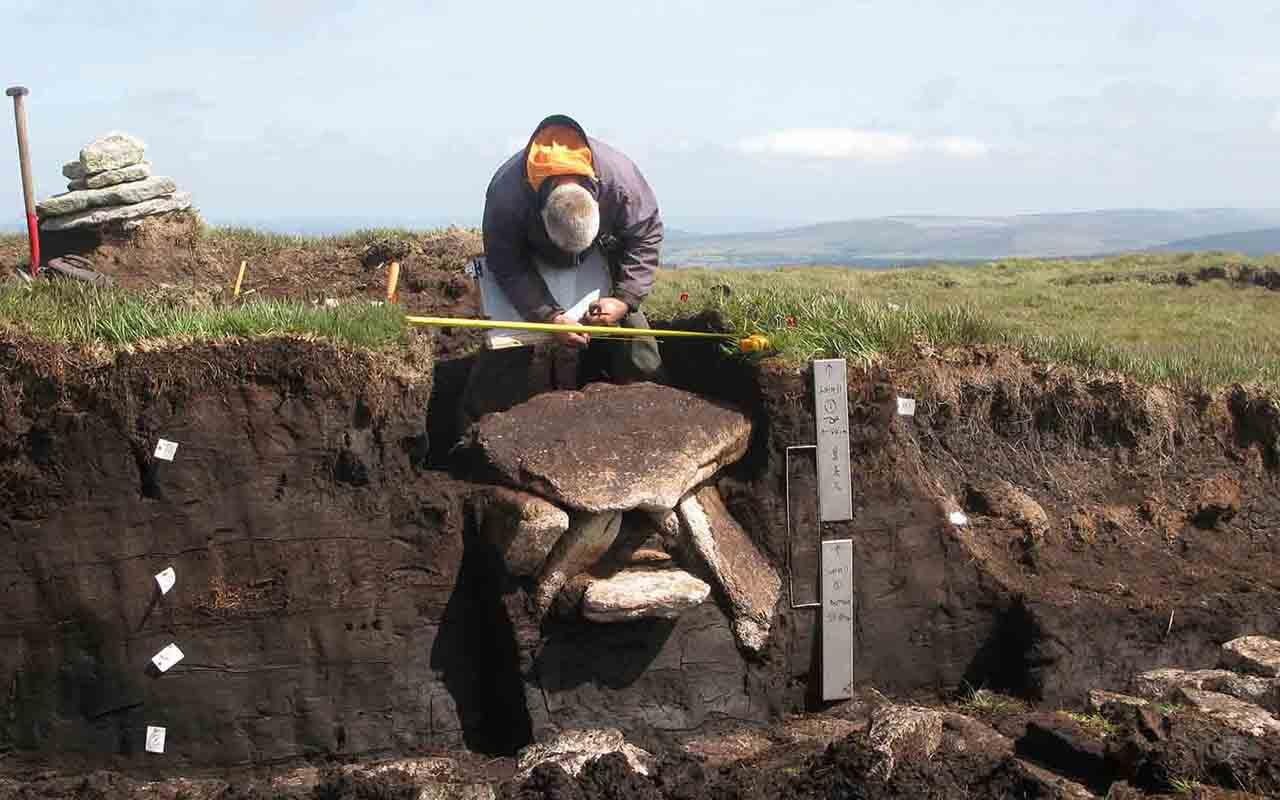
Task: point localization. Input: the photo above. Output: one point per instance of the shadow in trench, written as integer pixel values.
(477, 653)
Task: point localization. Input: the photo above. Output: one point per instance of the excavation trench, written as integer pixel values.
(334, 597)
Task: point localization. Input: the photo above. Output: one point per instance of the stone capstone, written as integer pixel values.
(1246, 718)
(902, 733)
(102, 216)
(119, 195)
(1163, 684)
(113, 151)
(642, 594)
(112, 177)
(588, 538)
(742, 572)
(572, 750)
(1257, 655)
(611, 448)
(522, 526)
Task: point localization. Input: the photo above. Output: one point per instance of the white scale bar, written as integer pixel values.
(837, 619)
(831, 398)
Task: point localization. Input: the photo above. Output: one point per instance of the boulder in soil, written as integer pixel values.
(589, 537)
(119, 195)
(112, 177)
(571, 750)
(1062, 744)
(1238, 715)
(1256, 655)
(642, 594)
(1005, 501)
(178, 201)
(113, 151)
(523, 527)
(611, 448)
(1163, 684)
(742, 572)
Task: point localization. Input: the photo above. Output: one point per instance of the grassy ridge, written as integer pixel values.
(76, 313)
(1104, 314)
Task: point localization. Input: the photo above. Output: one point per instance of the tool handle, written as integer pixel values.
(19, 93)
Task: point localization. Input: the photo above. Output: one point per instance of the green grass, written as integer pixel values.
(75, 313)
(1096, 724)
(1212, 333)
(985, 701)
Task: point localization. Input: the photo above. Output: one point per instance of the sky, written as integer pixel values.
(740, 114)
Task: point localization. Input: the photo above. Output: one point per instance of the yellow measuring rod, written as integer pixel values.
(751, 344)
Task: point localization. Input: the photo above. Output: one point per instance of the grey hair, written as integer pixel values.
(572, 217)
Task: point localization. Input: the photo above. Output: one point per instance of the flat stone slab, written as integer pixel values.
(739, 568)
(119, 195)
(523, 527)
(112, 151)
(611, 448)
(112, 177)
(1246, 718)
(643, 594)
(572, 750)
(1163, 684)
(902, 733)
(178, 201)
(1257, 655)
(588, 539)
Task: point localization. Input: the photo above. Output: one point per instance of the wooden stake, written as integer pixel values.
(393, 278)
(18, 93)
(239, 279)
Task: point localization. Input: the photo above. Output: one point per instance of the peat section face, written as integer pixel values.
(335, 596)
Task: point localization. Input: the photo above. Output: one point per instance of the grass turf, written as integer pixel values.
(76, 313)
(1125, 314)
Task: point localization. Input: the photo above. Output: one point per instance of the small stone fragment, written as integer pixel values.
(743, 573)
(1100, 700)
(1163, 684)
(73, 170)
(902, 733)
(642, 594)
(1218, 502)
(113, 151)
(1257, 655)
(1003, 500)
(1237, 714)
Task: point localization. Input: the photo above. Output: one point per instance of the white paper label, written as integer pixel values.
(906, 406)
(155, 739)
(837, 619)
(165, 579)
(831, 393)
(958, 518)
(165, 449)
(167, 657)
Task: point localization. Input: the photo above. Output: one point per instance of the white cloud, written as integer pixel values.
(960, 146)
(852, 144)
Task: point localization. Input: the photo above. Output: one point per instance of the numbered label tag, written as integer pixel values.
(167, 657)
(906, 406)
(166, 449)
(165, 579)
(155, 739)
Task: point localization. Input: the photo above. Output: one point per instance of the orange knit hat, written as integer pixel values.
(558, 150)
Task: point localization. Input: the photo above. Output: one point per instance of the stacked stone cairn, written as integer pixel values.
(606, 500)
(110, 183)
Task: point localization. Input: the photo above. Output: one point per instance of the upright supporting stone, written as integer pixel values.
(837, 619)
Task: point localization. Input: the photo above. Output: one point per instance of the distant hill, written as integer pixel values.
(918, 239)
(1250, 243)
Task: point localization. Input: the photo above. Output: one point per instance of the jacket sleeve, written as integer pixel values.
(507, 257)
(640, 242)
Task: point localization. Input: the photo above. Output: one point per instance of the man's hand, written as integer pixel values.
(567, 338)
(607, 311)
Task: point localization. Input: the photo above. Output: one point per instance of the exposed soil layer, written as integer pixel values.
(1234, 274)
(333, 601)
